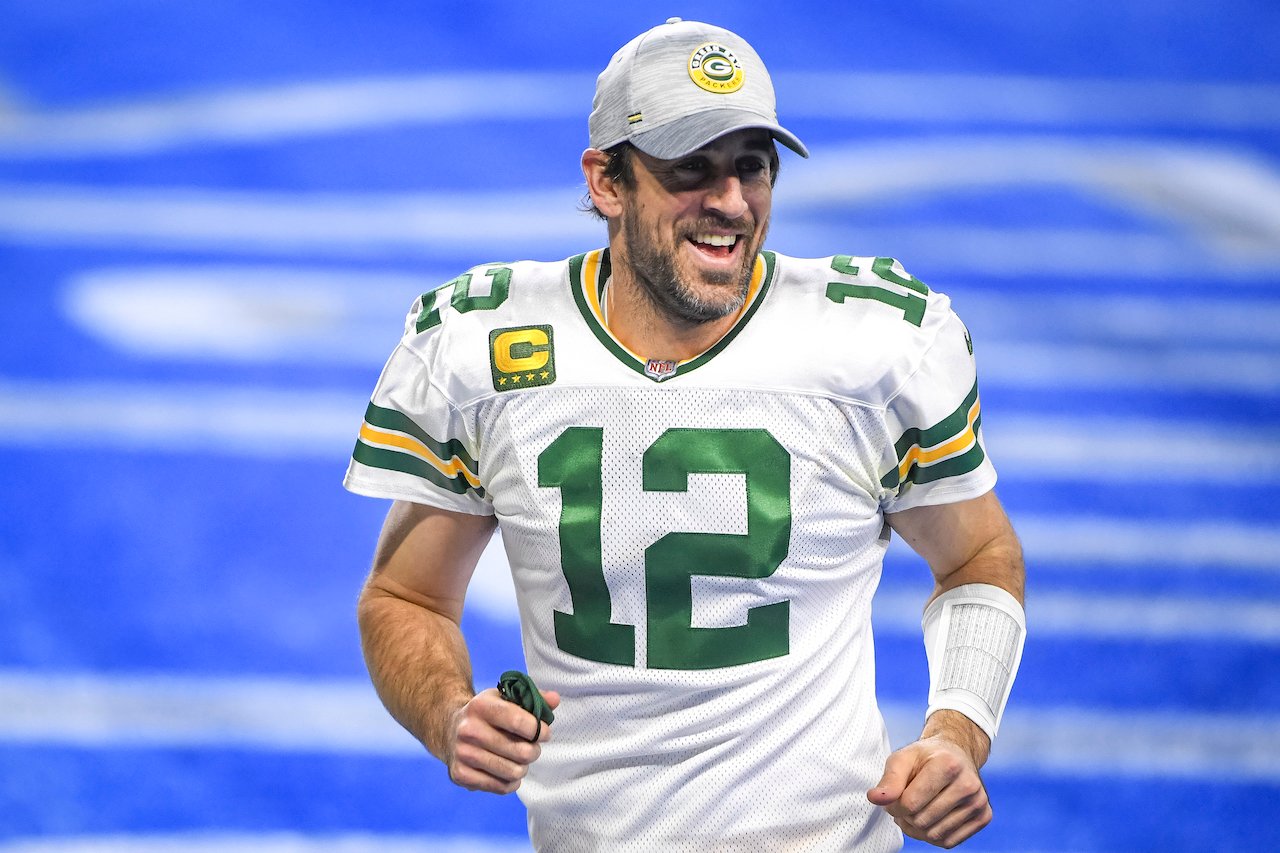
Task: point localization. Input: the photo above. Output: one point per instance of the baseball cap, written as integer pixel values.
(682, 84)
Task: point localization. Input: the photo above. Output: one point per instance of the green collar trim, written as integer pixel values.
(588, 274)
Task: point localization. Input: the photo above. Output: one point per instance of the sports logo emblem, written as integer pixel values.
(660, 369)
(523, 357)
(714, 68)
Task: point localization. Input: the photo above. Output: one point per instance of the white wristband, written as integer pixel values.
(973, 637)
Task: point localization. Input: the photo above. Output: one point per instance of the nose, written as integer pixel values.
(724, 196)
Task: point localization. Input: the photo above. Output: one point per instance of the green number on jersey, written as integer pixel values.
(911, 305)
(672, 561)
(461, 298)
(572, 463)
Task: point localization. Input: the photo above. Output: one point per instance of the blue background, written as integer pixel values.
(1097, 186)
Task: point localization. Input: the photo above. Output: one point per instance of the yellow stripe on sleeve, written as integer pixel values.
(451, 468)
(963, 441)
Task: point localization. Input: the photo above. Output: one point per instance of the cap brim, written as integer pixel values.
(689, 134)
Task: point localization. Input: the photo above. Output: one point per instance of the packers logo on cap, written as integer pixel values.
(522, 357)
(713, 67)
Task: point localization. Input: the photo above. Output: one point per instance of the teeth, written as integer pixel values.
(715, 239)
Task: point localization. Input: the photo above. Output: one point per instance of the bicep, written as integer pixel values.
(427, 555)
(964, 542)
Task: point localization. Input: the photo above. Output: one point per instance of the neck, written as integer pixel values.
(648, 330)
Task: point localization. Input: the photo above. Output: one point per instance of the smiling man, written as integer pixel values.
(696, 450)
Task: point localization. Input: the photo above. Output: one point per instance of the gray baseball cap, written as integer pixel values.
(682, 84)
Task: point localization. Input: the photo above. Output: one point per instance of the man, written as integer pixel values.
(695, 449)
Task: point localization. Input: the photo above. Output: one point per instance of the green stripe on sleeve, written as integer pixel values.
(377, 457)
(445, 450)
(953, 467)
(941, 432)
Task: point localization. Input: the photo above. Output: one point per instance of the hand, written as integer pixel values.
(491, 749)
(931, 788)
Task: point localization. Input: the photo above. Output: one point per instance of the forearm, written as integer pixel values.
(973, 635)
(973, 631)
(976, 561)
(418, 662)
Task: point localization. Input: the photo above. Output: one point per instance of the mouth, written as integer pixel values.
(715, 245)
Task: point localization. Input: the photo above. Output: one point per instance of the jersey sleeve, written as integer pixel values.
(415, 444)
(935, 422)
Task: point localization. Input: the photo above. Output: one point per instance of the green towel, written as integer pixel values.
(515, 686)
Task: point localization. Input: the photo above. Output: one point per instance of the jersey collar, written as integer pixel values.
(588, 274)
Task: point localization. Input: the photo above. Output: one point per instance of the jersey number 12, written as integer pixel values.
(573, 464)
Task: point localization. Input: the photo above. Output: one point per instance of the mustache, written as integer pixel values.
(742, 225)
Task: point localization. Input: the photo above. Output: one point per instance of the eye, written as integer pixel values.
(752, 167)
(693, 166)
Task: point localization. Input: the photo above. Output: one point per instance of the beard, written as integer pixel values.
(675, 292)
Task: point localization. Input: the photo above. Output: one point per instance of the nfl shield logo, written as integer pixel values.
(659, 369)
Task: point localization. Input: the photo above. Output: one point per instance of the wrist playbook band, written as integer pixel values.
(973, 637)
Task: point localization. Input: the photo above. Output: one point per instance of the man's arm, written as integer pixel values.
(410, 614)
(932, 787)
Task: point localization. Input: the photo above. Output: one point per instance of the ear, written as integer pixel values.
(604, 192)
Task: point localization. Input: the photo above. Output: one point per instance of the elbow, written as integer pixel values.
(998, 562)
(370, 604)
(382, 598)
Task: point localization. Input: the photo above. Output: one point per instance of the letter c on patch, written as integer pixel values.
(521, 350)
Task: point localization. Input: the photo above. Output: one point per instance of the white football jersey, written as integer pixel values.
(694, 545)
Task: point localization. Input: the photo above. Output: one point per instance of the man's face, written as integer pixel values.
(691, 228)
